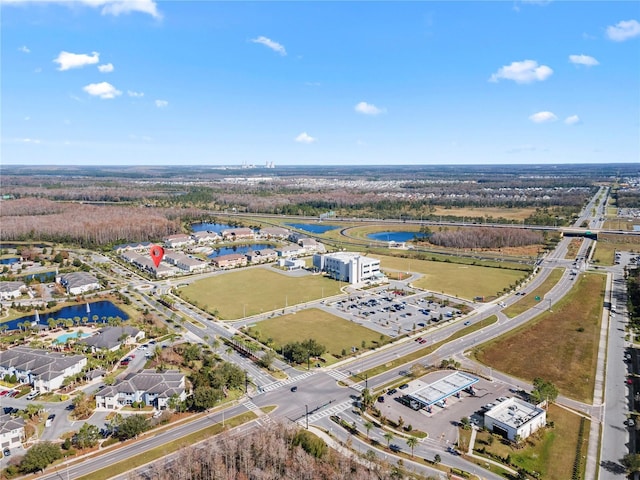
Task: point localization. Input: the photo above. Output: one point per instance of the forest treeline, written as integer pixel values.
(484, 237)
(276, 452)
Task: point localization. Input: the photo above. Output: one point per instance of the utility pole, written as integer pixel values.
(306, 414)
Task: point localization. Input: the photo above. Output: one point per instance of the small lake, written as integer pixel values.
(318, 228)
(45, 277)
(210, 227)
(103, 309)
(239, 249)
(395, 236)
(9, 261)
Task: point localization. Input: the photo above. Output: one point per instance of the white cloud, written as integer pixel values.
(24, 49)
(623, 30)
(106, 68)
(267, 42)
(526, 71)
(572, 120)
(29, 140)
(543, 117)
(131, 93)
(27, 118)
(68, 60)
(304, 137)
(162, 103)
(368, 109)
(103, 90)
(109, 7)
(583, 60)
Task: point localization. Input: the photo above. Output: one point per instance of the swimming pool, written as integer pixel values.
(63, 338)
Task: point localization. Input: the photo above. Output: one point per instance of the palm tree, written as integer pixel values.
(368, 425)
(388, 436)
(52, 323)
(411, 443)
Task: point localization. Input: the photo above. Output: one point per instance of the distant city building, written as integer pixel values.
(515, 418)
(349, 267)
(11, 290)
(78, 283)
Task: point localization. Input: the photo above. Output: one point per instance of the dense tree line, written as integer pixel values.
(485, 237)
(278, 452)
(627, 198)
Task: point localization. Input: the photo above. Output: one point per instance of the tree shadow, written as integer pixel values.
(613, 467)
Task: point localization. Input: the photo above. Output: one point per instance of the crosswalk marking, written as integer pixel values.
(275, 385)
(342, 377)
(249, 405)
(335, 409)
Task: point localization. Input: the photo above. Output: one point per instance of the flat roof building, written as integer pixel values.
(515, 418)
(349, 267)
(432, 393)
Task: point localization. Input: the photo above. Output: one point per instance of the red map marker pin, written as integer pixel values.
(156, 252)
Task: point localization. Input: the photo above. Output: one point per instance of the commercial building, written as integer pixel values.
(515, 418)
(349, 267)
(424, 395)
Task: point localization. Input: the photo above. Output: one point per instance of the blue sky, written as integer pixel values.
(108, 82)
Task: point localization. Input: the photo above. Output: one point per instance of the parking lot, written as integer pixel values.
(441, 423)
(392, 313)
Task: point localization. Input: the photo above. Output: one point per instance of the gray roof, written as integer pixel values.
(9, 423)
(109, 337)
(9, 287)
(78, 279)
(42, 363)
(163, 384)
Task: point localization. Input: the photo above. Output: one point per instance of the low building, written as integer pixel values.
(309, 244)
(42, 369)
(515, 418)
(292, 263)
(234, 234)
(148, 386)
(11, 290)
(231, 260)
(291, 251)
(11, 431)
(262, 256)
(274, 232)
(349, 267)
(112, 338)
(132, 247)
(178, 240)
(77, 283)
(205, 237)
(144, 262)
(185, 262)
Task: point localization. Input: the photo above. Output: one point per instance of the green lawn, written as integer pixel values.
(333, 332)
(529, 300)
(256, 290)
(463, 281)
(551, 453)
(559, 346)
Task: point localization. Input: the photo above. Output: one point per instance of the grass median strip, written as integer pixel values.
(529, 300)
(168, 448)
(426, 350)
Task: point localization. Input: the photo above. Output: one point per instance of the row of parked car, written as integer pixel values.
(8, 393)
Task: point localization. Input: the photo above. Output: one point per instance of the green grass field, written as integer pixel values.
(608, 244)
(552, 454)
(333, 332)
(559, 346)
(463, 281)
(256, 290)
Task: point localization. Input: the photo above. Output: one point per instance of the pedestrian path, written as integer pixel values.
(280, 383)
(341, 376)
(332, 410)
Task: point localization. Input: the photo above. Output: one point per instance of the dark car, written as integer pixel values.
(6, 452)
(294, 389)
(395, 448)
(392, 391)
(403, 386)
(381, 399)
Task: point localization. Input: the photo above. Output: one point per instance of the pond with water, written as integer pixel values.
(9, 261)
(210, 227)
(318, 228)
(44, 277)
(239, 249)
(103, 309)
(395, 236)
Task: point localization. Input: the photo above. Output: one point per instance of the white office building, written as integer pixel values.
(515, 417)
(349, 267)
